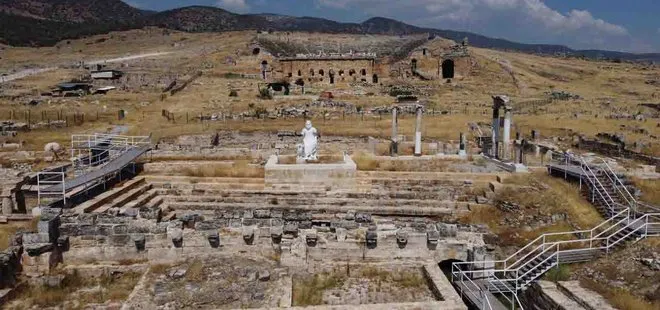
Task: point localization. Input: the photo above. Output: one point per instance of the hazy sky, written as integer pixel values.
(632, 25)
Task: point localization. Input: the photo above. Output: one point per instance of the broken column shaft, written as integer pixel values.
(495, 131)
(418, 132)
(394, 147)
(461, 145)
(506, 139)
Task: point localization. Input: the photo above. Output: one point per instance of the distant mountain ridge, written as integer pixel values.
(46, 22)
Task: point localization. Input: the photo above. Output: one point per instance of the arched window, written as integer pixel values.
(351, 72)
(321, 72)
(299, 73)
(363, 72)
(311, 72)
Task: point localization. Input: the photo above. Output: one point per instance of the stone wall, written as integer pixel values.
(564, 295)
(291, 67)
(297, 236)
(617, 150)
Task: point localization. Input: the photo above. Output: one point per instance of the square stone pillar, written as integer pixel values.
(418, 131)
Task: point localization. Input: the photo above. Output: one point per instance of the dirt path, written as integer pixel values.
(35, 71)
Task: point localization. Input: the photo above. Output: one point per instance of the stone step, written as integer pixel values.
(456, 209)
(123, 199)
(141, 200)
(372, 195)
(557, 297)
(243, 193)
(108, 196)
(206, 185)
(286, 201)
(211, 180)
(423, 183)
(457, 176)
(584, 297)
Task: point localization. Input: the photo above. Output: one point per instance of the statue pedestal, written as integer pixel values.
(310, 175)
(462, 154)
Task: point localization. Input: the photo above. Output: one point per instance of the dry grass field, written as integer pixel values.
(606, 88)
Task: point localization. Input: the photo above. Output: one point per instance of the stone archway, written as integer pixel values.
(448, 69)
(331, 74)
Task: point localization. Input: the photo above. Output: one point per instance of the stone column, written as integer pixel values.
(495, 131)
(517, 149)
(506, 139)
(461, 145)
(418, 131)
(7, 203)
(394, 146)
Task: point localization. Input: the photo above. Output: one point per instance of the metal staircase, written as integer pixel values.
(626, 222)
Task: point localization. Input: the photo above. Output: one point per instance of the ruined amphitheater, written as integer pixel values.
(396, 196)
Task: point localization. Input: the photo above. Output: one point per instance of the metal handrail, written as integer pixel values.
(597, 238)
(594, 177)
(481, 292)
(556, 250)
(618, 180)
(509, 290)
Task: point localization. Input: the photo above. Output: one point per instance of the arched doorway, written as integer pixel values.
(321, 73)
(448, 69)
(264, 68)
(299, 73)
(363, 72)
(374, 79)
(413, 64)
(256, 51)
(331, 74)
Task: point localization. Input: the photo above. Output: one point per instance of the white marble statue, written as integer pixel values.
(310, 140)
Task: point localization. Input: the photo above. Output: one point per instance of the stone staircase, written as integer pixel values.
(443, 195)
(624, 224)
